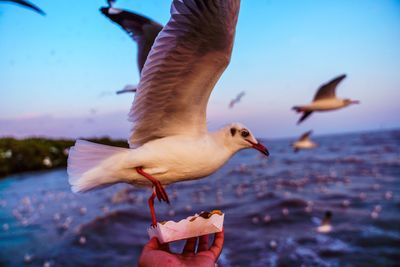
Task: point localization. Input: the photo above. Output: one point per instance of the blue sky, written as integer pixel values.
(58, 72)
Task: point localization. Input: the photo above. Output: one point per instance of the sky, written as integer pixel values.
(59, 72)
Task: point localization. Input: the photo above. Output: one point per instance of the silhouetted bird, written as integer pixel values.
(236, 99)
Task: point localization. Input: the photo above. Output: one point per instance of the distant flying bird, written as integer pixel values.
(27, 5)
(141, 29)
(324, 100)
(128, 88)
(304, 142)
(170, 141)
(236, 99)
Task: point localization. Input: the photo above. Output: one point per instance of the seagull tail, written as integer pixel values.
(92, 165)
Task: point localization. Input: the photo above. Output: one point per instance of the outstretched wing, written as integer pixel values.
(185, 62)
(27, 5)
(305, 136)
(141, 29)
(305, 115)
(328, 90)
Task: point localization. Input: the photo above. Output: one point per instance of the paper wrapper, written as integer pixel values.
(190, 227)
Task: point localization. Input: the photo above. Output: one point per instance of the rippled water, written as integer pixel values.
(271, 209)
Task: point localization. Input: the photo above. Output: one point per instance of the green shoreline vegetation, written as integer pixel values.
(33, 154)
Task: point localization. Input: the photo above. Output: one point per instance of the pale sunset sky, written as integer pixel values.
(59, 72)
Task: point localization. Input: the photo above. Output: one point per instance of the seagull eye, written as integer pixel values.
(233, 131)
(244, 133)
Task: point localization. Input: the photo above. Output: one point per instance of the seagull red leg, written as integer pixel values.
(160, 191)
(151, 206)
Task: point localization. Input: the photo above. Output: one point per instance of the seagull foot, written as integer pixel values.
(159, 189)
(160, 192)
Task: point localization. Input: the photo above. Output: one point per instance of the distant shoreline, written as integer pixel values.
(36, 154)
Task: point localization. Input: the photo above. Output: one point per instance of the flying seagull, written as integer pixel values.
(27, 5)
(128, 88)
(169, 141)
(304, 142)
(325, 100)
(141, 29)
(236, 99)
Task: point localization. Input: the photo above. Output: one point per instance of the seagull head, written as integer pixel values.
(239, 137)
(349, 101)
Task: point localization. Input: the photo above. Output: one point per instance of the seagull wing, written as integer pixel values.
(141, 29)
(328, 90)
(305, 115)
(26, 4)
(186, 61)
(305, 136)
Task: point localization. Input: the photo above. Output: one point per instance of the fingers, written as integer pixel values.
(190, 245)
(152, 244)
(216, 247)
(165, 247)
(203, 243)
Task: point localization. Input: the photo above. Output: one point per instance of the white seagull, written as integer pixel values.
(304, 142)
(170, 141)
(325, 100)
(141, 29)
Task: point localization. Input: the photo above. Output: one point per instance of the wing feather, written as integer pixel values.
(305, 136)
(328, 90)
(141, 29)
(184, 64)
(27, 5)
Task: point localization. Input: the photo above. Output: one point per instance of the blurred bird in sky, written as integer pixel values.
(304, 142)
(141, 29)
(325, 100)
(236, 99)
(27, 5)
(170, 141)
(128, 88)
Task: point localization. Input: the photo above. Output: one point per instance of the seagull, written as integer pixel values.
(325, 226)
(128, 88)
(325, 99)
(304, 142)
(236, 99)
(141, 29)
(169, 141)
(27, 5)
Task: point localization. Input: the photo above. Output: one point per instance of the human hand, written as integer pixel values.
(156, 254)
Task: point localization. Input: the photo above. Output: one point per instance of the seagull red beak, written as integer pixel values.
(260, 147)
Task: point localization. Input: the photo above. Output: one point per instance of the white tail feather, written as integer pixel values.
(91, 165)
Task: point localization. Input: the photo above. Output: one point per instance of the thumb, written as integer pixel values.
(153, 244)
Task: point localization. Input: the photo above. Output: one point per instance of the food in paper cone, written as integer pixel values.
(197, 225)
